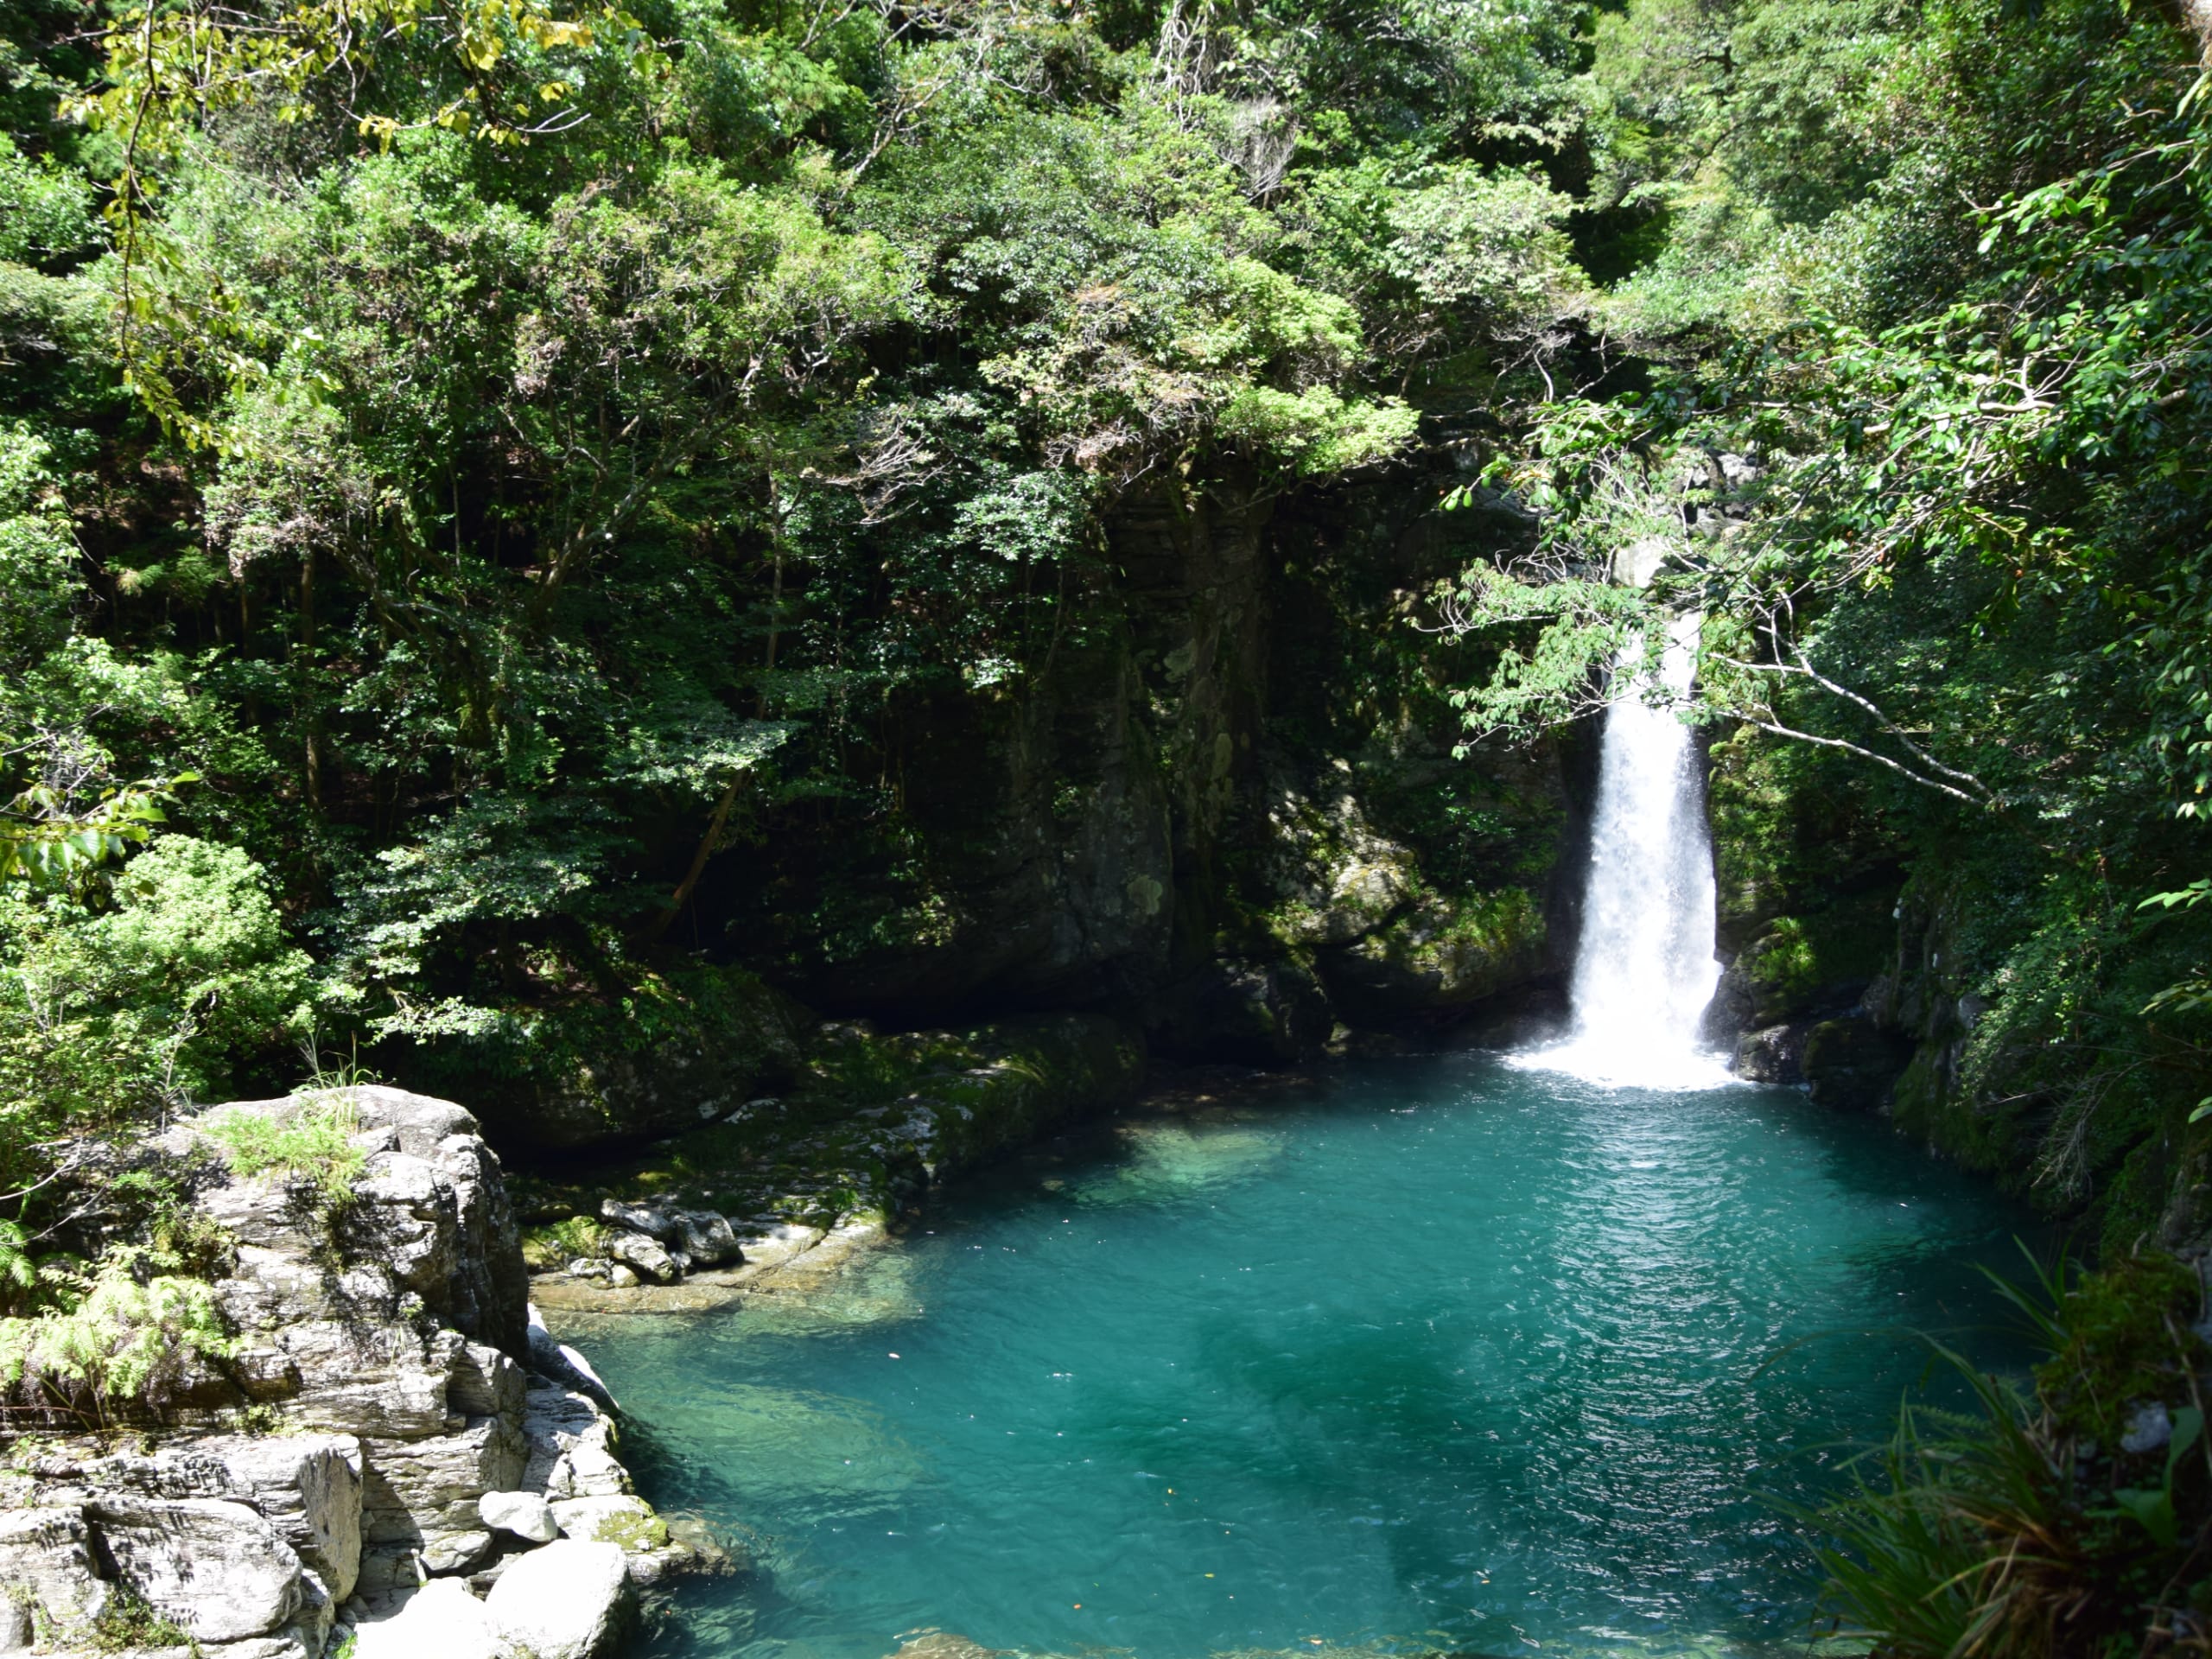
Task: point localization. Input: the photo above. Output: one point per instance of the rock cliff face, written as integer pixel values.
(385, 1421)
(1230, 770)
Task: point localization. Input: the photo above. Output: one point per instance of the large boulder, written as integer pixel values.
(625, 1521)
(442, 1620)
(380, 1328)
(571, 1447)
(427, 1222)
(1441, 957)
(569, 1600)
(645, 1256)
(1247, 1012)
(216, 1569)
(704, 1237)
(307, 1486)
(1853, 1064)
(390, 1320)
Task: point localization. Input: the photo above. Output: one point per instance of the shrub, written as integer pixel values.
(116, 1013)
(2028, 1527)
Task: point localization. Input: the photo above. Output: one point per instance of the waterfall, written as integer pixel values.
(1645, 969)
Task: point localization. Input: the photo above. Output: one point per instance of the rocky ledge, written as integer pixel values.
(395, 1450)
(771, 1196)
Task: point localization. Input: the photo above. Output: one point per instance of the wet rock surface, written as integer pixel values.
(1773, 1055)
(1853, 1064)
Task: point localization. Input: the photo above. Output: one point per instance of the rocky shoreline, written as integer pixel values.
(771, 1196)
(392, 1451)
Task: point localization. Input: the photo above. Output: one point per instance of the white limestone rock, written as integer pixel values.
(442, 1620)
(214, 1568)
(526, 1515)
(645, 1256)
(308, 1487)
(570, 1447)
(46, 1553)
(569, 1600)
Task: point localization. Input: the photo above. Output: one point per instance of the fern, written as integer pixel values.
(127, 1342)
(16, 1270)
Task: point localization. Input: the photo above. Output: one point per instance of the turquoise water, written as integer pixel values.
(1427, 1354)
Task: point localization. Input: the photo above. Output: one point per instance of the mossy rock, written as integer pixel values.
(635, 1530)
(677, 1049)
(1801, 964)
(1851, 1065)
(997, 1086)
(869, 1118)
(1443, 955)
(2129, 1339)
(1247, 1013)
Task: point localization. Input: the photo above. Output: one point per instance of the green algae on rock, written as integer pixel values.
(1443, 955)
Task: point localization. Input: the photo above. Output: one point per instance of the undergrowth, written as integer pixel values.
(315, 1142)
(124, 1338)
(2071, 1518)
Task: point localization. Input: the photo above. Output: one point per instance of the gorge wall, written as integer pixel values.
(1223, 814)
(1223, 810)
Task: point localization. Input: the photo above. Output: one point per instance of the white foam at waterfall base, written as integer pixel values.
(1645, 969)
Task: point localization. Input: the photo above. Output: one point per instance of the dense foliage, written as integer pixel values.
(464, 464)
(1919, 402)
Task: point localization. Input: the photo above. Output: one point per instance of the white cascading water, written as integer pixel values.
(1646, 969)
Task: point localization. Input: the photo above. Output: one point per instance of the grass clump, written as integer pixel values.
(130, 1624)
(634, 1530)
(2048, 1521)
(315, 1143)
(563, 1242)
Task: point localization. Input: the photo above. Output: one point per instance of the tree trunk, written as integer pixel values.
(682, 896)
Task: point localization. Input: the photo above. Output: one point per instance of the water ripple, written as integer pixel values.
(1498, 1371)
